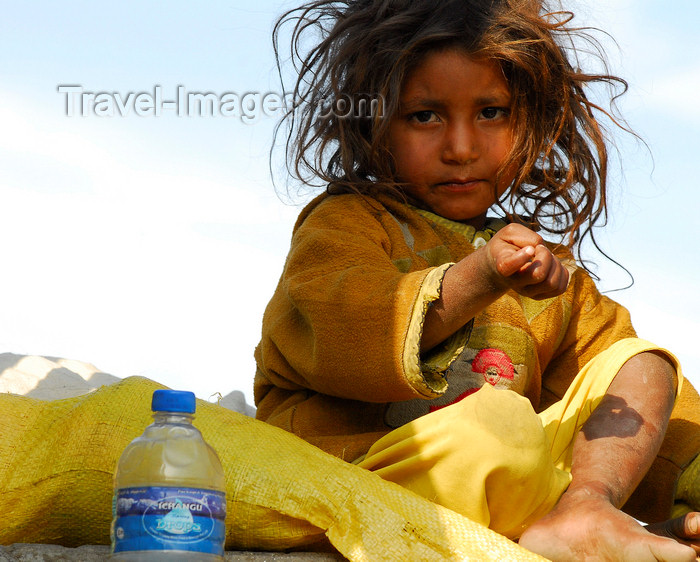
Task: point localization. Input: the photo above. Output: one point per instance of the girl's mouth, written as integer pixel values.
(459, 184)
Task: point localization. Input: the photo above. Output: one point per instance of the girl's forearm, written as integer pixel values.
(465, 292)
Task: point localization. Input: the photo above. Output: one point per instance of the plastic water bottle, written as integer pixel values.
(169, 491)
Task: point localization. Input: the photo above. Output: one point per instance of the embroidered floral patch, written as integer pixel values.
(494, 364)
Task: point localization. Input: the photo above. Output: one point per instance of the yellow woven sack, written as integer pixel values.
(57, 459)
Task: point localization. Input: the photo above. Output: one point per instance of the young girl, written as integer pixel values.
(403, 295)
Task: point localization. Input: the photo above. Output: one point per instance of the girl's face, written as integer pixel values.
(451, 135)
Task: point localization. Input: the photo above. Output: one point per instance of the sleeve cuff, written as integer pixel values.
(426, 373)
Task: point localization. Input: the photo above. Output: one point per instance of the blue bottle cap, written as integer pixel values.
(173, 401)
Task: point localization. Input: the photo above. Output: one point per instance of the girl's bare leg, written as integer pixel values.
(611, 454)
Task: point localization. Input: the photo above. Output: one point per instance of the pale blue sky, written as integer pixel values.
(150, 245)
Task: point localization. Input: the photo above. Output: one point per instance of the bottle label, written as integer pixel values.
(169, 518)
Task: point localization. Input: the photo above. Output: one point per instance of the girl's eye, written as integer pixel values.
(492, 113)
(425, 116)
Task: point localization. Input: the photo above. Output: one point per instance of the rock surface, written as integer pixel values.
(98, 553)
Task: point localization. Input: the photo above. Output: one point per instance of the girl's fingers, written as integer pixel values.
(516, 261)
(685, 529)
(531, 270)
(540, 267)
(519, 236)
(545, 277)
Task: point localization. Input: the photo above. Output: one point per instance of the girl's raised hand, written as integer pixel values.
(515, 258)
(519, 260)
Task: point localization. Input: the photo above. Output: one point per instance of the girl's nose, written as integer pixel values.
(460, 146)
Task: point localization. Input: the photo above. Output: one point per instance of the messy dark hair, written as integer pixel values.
(345, 49)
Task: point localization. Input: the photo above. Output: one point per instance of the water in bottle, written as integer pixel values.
(169, 491)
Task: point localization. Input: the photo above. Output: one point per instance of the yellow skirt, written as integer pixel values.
(491, 457)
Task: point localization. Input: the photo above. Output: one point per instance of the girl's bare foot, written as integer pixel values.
(591, 529)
